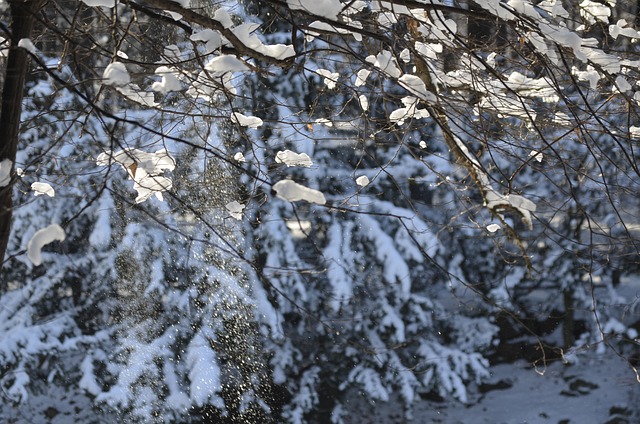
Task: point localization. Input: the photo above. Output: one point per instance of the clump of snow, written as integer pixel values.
(290, 158)
(116, 74)
(144, 169)
(169, 82)
(225, 63)
(5, 172)
(27, 44)
(246, 36)
(362, 181)
(361, 77)
(422, 144)
(364, 102)
(536, 155)
(212, 39)
(329, 9)
(492, 228)
(620, 28)
(239, 157)
(330, 78)
(324, 121)
(42, 188)
(235, 209)
(622, 84)
(40, 239)
(133, 93)
(386, 63)
(592, 11)
(100, 3)
(417, 87)
(292, 192)
(246, 121)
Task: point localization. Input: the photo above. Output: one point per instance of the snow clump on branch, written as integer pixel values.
(144, 169)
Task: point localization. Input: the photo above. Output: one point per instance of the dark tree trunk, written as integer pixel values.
(22, 17)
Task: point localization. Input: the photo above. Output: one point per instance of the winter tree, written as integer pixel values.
(256, 211)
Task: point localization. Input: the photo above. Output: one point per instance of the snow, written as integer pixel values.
(364, 102)
(492, 228)
(5, 172)
(362, 181)
(244, 33)
(536, 155)
(27, 44)
(100, 3)
(144, 169)
(101, 233)
(361, 77)
(41, 238)
(116, 74)
(329, 9)
(246, 121)
(621, 28)
(169, 82)
(592, 12)
(417, 87)
(386, 62)
(290, 158)
(622, 84)
(292, 192)
(212, 39)
(204, 373)
(330, 78)
(222, 16)
(42, 188)
(133, 93)
(235, 209)
(239, 157)
(225, 63)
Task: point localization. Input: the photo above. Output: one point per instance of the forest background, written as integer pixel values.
(260, 211)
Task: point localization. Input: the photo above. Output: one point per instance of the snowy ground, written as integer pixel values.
(597, 390)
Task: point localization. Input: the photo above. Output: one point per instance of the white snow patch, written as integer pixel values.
(622, 84)
(144, 169)
(536, 155)
(362, 181)
(329, 9)
(386, 63)
(239, 157)
(27, 44)
(330, 78)
(116, 74)
(361, 77)
(364, 102)
(324, 121)
(225, 63)
(492, 228)
(246, 121)
(169, 82)
(42, 188)
(100, 3)
(291, 191)
(235, 209)
(290, 158)
(40, 239)
(212, 39)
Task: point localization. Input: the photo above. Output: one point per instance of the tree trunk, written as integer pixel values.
(22, 17)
